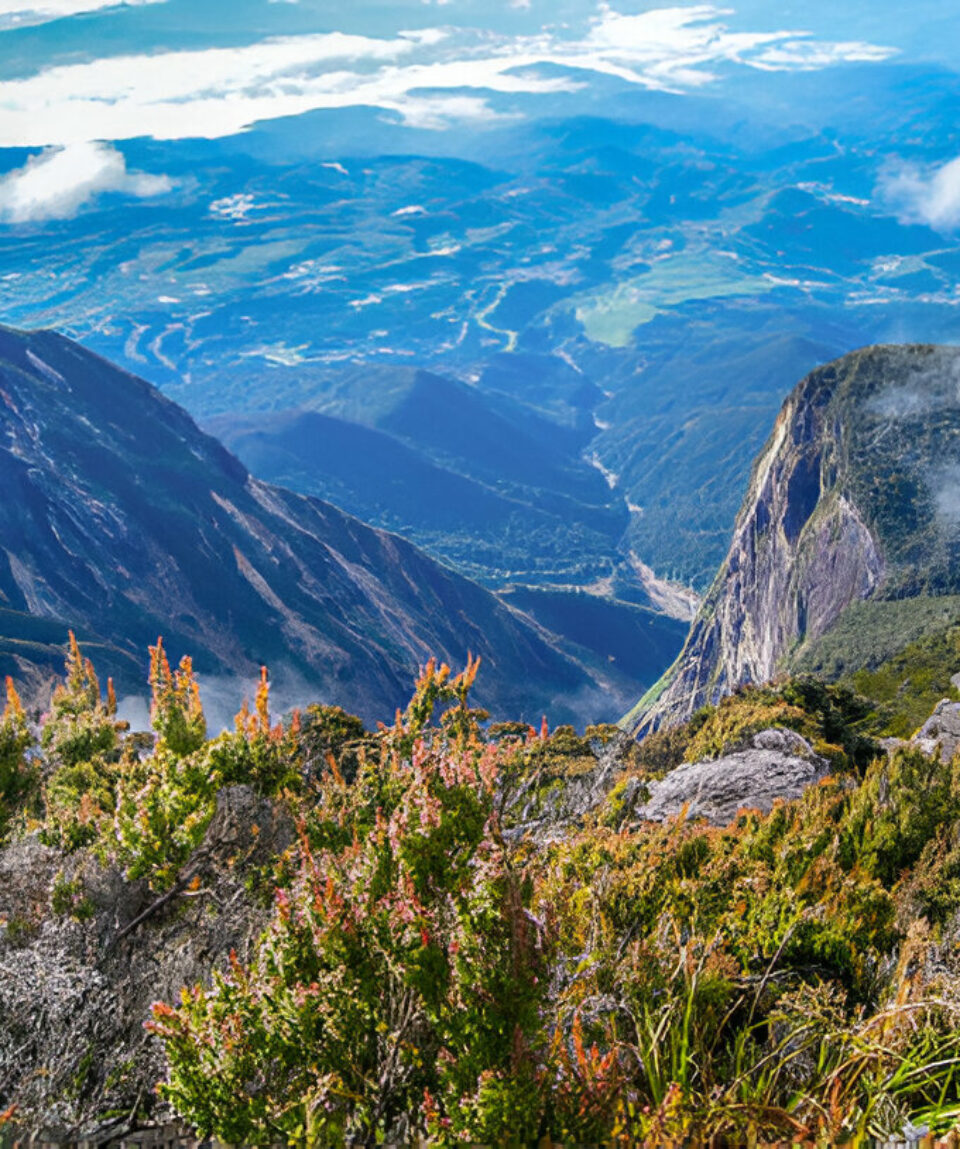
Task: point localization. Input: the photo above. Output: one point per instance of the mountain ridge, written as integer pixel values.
(126, 521)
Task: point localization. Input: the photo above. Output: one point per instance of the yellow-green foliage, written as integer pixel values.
(147, 803)
(18, 776)
(403, 972)
(834, 718)
(176, 713)
(81, 741)
(737, 717)
(429, 969)
(690, 982)
(907, 686)
(718, 952)
(165, 801)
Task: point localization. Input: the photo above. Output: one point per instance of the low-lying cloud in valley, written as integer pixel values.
(223, 696)
(58, 182)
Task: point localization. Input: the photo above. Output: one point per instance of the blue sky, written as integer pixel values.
(79, 76)
(76, 70)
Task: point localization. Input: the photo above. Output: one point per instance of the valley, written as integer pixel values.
(479, 573)
(637, 291)
(124, 521)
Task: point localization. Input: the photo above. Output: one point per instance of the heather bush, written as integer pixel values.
(82, 744)
(431, 969)
(427, 971)
(18, 775)
(403, 972)
(165, 801)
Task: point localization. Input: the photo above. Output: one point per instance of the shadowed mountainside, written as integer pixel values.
(123, 520)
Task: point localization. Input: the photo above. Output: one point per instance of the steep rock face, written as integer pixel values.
(122, 519)
(853, 497)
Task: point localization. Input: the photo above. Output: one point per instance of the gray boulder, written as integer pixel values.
(940, 734)
(773, 764)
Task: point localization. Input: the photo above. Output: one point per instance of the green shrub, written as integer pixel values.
(18, 775)
(400, 966)
(428, 969)
(68, 899)
(165, 802)
(81, 741)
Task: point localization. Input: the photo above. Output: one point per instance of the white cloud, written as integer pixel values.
(172, 95)
(811, 55)
(16, 13)
(432, 77)
(438, 112)
(930, 196)
(59, 181)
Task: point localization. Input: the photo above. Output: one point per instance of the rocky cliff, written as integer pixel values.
(852, 498)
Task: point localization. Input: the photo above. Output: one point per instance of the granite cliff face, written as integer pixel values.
(853, 498)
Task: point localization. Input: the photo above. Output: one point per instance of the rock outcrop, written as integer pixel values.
(853, 498)
(775, 764)
(771, 765)
(940, 734)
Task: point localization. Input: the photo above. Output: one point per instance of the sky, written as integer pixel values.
(81, 70)
(79, 76)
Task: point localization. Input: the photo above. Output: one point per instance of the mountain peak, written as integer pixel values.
(852, 498)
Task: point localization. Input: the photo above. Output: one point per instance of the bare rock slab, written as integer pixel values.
(940, 734)
(774, 764)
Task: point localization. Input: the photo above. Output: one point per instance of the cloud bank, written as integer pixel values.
(60, 181)
(17, 14)
(930, 196)
(431, 77)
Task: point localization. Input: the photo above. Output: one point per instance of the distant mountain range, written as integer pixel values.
(121, 519)
(617, 290)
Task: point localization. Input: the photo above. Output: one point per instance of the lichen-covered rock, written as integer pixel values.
(775, 764)
(78, 976)
(940, 734)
